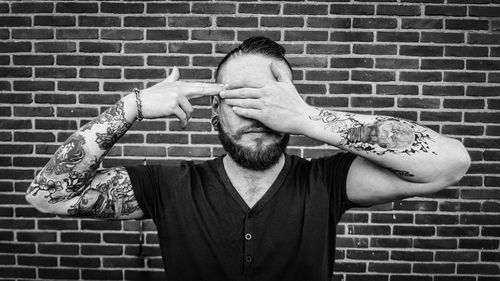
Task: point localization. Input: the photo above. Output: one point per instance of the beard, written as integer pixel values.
(260, 158)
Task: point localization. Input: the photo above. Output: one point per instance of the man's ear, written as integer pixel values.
(215, 100)
(215, 112)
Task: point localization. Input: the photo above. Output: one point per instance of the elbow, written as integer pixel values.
(461, 162)
(37, 200)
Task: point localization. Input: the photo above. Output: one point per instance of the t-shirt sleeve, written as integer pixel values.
(145, 184)
(333, 171)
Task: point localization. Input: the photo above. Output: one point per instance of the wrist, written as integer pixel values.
(306, 125)
(130, 107)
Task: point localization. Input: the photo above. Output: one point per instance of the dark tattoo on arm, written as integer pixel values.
(401, 172)
(383, 135)
(71, 171)
(112, 197)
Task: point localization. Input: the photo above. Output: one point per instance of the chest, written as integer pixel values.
(252, 192)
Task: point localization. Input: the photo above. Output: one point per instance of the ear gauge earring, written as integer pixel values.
(215, 122)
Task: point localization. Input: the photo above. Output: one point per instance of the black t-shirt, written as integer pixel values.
(206, 230)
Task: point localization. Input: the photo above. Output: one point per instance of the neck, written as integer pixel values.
(236, 169)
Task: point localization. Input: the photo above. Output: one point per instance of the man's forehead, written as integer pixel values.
(247, 71)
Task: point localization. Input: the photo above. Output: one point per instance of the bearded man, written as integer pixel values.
(256, 213)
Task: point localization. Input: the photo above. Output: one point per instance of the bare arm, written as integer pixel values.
(72, 184)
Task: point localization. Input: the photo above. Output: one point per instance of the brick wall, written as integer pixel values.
(436, 62)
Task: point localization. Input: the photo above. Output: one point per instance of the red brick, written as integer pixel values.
(420, 76)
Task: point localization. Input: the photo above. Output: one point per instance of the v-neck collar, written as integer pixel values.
(263, 200)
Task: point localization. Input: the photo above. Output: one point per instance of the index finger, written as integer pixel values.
(241, 93)
(196, 90)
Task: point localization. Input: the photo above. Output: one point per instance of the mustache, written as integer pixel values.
(254, 128)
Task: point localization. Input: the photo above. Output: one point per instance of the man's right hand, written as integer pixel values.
(171, 97)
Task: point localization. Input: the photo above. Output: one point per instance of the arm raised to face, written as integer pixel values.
(397, 158)
(72, 184)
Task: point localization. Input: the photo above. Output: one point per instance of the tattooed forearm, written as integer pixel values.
(379, 135)
(111, 198)
(70, 171)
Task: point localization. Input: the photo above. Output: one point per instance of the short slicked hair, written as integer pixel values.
(258, 45)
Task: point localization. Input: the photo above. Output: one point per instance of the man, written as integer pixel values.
(255, 213)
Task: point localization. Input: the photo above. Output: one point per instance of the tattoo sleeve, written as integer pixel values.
(379, 135)
(72, 176)
(399, 145)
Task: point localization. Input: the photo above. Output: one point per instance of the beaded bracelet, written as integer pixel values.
(139, 104)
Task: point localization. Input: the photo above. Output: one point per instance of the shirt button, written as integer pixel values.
(248, 259)
(248, 236)
(250, 215)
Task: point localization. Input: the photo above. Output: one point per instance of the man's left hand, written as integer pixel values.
(277, 105)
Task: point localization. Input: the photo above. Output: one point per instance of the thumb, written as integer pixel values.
(174, 75)
(280, 73)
